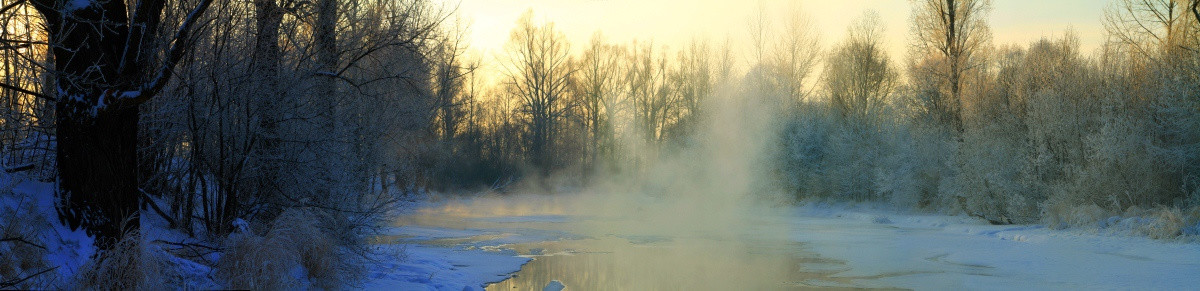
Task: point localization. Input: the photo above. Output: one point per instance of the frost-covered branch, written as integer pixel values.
(176, 52)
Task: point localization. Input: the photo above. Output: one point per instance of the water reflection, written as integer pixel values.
(613, 263)
(634, 252)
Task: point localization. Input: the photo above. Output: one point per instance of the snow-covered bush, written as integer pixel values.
(803, 150)
(829, 157)
(1118, 171)
(1176, 124)
(853, 154)
(992, 176)
(1142, 155)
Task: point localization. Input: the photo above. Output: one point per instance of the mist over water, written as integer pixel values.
(700, 217)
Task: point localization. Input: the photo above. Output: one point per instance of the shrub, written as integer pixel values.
(129, 265)
(1060, 213)
(257, 263)
(294, 247)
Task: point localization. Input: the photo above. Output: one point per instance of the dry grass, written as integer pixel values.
(25, 257)
(1159, 222)
(1169, 223)
(257, 263)
(294, 246)
(130, 265)
(1060, 213)
(317, 252)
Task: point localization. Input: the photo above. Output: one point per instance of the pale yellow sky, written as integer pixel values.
(676, 22)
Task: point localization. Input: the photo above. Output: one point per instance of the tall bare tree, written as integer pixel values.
(859, 76)
(796, 55)
(955, 31)
(538, 69)
(599, 77)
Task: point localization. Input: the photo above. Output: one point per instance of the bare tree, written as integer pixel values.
(599, 78)
(955, 31)
(650, 92)
(1150, 27)
(450, 74)
(538, 68)
(268, 16)
(859, 76)
(796, 55)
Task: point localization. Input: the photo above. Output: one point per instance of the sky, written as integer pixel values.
(674, 23)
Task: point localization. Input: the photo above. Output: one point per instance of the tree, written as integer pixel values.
(1152, 27)
(956, 32)
(797, 53)
(859, 76)
(106, 62)
(599, 78)
(650, 92)
(450, 74)
(538, 69)
(267, 93)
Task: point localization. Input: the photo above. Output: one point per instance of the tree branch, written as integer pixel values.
(10, 6)
(176, 52)
(22, 90)
(22, 240)
(10, 283)
(154, 205)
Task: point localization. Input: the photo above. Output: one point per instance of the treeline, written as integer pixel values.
(556, 112)
(1014, 133)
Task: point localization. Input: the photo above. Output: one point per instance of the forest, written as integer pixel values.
(201, 127)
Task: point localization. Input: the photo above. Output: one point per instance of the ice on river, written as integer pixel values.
(829, 246)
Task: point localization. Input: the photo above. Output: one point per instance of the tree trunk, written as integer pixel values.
(99, 56)
(325, 88)
(267, 96)
(97, 167)
(97, 145)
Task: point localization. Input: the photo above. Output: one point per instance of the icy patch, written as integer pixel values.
(527, 219)
(441, 268)
(554, 285)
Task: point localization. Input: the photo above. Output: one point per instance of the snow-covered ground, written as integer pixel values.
(945, 252)
(424, 267)
(835, 246)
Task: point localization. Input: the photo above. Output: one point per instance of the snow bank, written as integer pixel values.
(954, 252)
(409, 265)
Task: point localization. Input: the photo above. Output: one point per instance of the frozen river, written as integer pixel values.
(510, 246)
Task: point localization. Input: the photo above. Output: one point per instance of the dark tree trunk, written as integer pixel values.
(97, 145)
(268, 16)
(325, 36)
(100, 65)
(97, 160)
